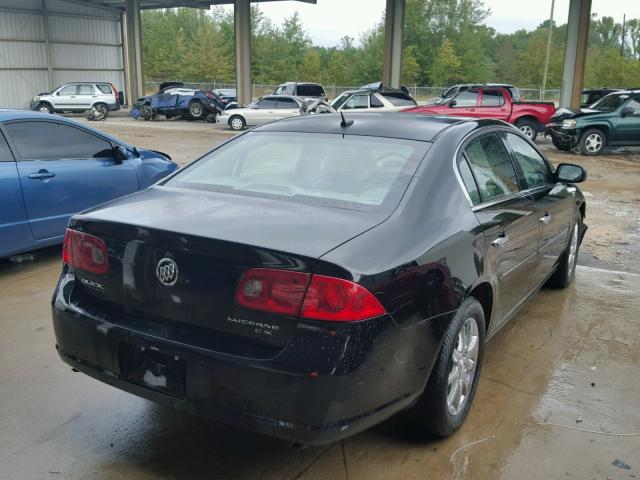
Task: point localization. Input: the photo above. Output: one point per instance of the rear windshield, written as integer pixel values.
(347, 171)
(310, 91)
(399, 99)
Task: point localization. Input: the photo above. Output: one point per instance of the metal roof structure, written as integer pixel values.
(149, 4)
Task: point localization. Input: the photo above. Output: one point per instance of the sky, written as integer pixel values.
(330, 20)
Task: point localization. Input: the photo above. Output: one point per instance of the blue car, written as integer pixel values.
(52, 167)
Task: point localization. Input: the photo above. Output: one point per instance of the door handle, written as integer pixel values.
(500, 241)
(42, 175)
(545, 219)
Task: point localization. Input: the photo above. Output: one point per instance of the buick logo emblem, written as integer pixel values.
(167, 271)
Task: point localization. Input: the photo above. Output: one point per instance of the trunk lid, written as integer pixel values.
(210, 239)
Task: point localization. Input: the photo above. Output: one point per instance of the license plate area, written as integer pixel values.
(149, 368)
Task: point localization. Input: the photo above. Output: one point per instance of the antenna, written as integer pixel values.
(345, 123)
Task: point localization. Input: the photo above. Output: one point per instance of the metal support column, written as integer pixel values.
(132, 45)
(575, 54)
(47, 43)
(242, 16)
(393, 42)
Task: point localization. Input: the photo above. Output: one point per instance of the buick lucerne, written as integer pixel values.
(314, 276)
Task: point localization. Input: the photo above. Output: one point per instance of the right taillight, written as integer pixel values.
(85, 252)
(318, 298)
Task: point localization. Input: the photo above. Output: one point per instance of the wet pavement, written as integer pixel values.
(558, 398)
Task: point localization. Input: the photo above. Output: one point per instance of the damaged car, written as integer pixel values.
(176, 100)
(614, 120)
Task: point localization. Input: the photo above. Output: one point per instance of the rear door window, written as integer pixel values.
(492, 169)
(492, 98)
(535, 169)
(286, 103)
(85, 90)
(52, 141)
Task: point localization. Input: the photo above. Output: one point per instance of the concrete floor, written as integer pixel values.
(570, 358)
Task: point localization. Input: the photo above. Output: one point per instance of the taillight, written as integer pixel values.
(292, 293)
(276, 291)
(85, 252)
(339, 300)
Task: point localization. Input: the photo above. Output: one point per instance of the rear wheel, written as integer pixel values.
(45, 108)
(559, 145)
(566, 270)
(196, 110)
(528, 127)
(236, 123)
(592, 142)
(446, 400)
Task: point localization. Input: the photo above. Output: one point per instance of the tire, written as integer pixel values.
(528, 127)
(98, 112)
(439, 412)
(211, 118)
(237, 123)
(45, 107)
(566, 271)
(196, 110)
(146, 112)
(592, 142)
(560, 146)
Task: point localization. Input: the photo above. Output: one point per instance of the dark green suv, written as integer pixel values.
(613, 120)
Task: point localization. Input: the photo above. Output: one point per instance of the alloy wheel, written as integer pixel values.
(527, 130)
(593, 143)
(196, 109)
(464, 360)
(43, 109)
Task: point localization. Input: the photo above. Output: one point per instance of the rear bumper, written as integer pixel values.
(324, 385)
(114, 107)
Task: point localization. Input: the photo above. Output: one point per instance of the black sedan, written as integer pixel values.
(314, 276)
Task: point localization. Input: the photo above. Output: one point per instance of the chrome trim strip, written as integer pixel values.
(515, 267)
(564, 232)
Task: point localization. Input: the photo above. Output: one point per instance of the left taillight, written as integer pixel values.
(85, 252)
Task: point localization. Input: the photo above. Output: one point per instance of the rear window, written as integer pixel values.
(345, 171)
(399, 99)
(104, 88)
(515, 94)
(310, 91)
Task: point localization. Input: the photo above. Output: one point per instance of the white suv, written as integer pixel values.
(79, 97)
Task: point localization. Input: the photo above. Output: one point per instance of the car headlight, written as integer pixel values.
(36, 98)
(569, 124)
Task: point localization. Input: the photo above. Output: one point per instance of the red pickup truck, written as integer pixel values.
(490, 101)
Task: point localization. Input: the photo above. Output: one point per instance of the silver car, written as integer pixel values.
(78, 97)
(263, 110)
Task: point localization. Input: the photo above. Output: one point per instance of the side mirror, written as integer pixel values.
(120, 153)
(452, 103)
(627, 111)
(58, 93)
(570, 173)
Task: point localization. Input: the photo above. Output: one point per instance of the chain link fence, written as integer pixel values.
(420, 93)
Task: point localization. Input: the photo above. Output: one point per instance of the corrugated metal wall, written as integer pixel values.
(85, 44)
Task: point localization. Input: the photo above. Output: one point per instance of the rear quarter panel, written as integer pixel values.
(542, 112)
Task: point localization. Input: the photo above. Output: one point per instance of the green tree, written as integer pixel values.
(446, 65)
(311, 66)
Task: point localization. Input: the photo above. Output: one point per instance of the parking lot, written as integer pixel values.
(558, 397)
